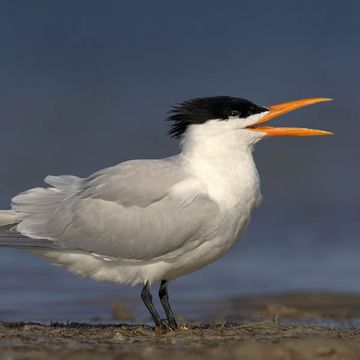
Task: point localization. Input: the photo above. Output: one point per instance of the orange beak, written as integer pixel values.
(280, 109)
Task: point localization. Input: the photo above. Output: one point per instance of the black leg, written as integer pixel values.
(147, 299)
(164, 298)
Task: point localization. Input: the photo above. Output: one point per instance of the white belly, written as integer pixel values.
(206, 253)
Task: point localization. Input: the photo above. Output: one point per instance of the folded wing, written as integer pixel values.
(127, 211)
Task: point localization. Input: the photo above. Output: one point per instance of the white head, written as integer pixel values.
(235, 120)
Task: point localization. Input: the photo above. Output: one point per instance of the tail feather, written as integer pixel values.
(24, 226)
(10, 238)
(36, 206)
(7, 217)
(27, 243)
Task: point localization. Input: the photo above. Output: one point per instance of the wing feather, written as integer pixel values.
(127, 211)
(136, 182)
(140, 233)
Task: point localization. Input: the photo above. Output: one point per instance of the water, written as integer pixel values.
(82, 88)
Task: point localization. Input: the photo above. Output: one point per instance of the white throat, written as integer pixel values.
(221, 157)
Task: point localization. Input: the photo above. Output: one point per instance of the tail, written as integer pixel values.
(25, 225)
(7, 217)
(9, 237)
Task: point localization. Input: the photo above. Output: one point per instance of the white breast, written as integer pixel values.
(231, 179)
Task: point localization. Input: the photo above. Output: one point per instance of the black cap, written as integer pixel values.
(200, 110)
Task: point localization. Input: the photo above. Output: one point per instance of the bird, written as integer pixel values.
(150, 221)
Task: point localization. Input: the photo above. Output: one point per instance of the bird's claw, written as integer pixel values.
(163, 327)
(173, 326)
(160, 329)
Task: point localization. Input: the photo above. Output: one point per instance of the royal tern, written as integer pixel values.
(147, 221)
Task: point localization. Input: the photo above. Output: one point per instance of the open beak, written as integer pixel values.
(280, 109)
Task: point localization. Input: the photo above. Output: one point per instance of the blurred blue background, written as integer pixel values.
(87, 84)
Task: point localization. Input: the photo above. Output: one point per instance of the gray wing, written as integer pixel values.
(136, 182)
(128, 211)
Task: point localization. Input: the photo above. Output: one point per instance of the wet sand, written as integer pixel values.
(272, 327)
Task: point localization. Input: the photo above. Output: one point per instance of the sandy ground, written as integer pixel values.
(283, 330)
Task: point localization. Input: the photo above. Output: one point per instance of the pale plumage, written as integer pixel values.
(144, 221)
(123, 212)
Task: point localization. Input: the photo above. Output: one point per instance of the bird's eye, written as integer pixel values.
(234, 113)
